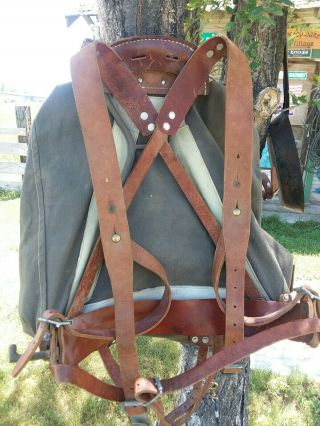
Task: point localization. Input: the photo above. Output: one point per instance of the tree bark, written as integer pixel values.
(226, 404)
(269, 56)
(123, 18)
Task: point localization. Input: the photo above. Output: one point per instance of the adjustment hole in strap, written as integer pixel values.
(235, 287)
(138, 57)
(235, 269)
(172, 58)
(234, 324)
(238, 156)
(235, 306)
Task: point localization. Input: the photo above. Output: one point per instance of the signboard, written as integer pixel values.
(304, 39)
(304, 43)
(205, 36)
(299, 53)
(295, 75)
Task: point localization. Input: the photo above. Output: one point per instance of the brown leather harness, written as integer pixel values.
(185, 73)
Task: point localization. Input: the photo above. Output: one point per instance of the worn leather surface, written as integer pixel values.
(285, 157)
(156, 61)
(284, 153)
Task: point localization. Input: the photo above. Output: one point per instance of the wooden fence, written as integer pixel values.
(18, 149)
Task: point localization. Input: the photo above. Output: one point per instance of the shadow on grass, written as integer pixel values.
(299, 237)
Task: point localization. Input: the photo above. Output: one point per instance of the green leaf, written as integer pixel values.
(316, 102)
(298, 100)
(230, 27)
(257, 11)
(276, 10)
(316, 78)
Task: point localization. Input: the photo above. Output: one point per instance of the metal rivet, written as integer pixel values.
(210, 53)
(144, 116)
(220, 46)
(151, 127)
(163, 82)
(205, 340)
(140, 80)
(116, 238)
(236, 211)
(195, 339)
(46, 336)
(172, 115)
(286, 297)
(166, 126)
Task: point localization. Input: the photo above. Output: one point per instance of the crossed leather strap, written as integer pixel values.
(97, 64)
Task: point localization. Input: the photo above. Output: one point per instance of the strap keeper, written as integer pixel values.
(137, 403)
(158, 385)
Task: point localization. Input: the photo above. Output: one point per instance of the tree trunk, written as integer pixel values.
(123, 18)
(226, 404)
(269, 57)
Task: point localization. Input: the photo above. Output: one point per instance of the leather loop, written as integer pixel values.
(76, 376)
(145, 325)
(36, 341)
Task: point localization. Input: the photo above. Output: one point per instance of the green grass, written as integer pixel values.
(299, 237)
(302, 239)
(36, 399)
(276, 400)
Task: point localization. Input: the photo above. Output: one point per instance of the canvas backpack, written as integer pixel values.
(140, 215)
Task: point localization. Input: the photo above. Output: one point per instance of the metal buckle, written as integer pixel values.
(160, 392)
(135, 403)
(307, 292)
(235, 365)
(55, 323)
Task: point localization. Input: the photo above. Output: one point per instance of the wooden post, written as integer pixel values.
(23, 119)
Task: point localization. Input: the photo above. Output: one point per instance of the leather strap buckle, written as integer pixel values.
(234, 368)
(55, 323)
(305, 291)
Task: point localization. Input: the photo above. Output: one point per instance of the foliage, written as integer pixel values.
(302, 99)
(283, 400)
(8, 195)
(243, 19)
